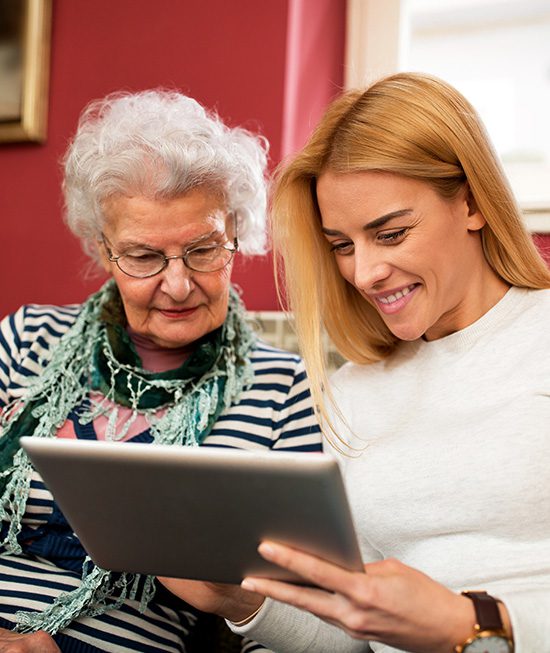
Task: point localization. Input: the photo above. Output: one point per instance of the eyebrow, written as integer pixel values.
(129, 244)
(374, 224)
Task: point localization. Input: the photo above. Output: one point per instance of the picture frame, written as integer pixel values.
(24, 69)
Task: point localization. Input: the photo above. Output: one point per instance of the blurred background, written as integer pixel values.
(271, 66)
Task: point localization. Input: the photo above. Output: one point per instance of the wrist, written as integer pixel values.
(245, 611)
(462, 625)
(507, 624)
(492, 630)
(248, 619)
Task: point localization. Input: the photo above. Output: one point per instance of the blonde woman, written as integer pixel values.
(399, 234)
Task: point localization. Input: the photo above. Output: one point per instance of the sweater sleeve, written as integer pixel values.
(286, 629)
(297, 428)
(529, 612)
(27, 338)
(11, 328)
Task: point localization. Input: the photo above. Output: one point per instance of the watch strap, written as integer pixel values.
(486, 609)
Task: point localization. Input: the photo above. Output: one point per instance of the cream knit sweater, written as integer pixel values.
(455, 476)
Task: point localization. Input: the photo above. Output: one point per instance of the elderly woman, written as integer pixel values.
(163, 195)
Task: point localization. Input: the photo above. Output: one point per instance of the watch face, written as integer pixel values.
(490, 644)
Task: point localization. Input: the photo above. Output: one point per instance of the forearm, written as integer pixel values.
(288, 630)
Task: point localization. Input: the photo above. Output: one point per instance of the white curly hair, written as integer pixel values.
(162, 144)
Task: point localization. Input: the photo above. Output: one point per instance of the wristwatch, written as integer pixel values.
(489, 633)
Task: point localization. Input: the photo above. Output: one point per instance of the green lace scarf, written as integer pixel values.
(97, 354)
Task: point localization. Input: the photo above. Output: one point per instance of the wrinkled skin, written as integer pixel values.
(228, 601)
(39, 642)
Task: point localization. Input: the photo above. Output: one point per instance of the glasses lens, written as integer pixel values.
(141, 265)
(209, 259)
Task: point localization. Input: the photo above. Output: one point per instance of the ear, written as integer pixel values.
(475, 220)
(231, 225)
(103, 256)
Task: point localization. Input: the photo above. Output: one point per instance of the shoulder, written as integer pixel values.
(27, 338)
(528, 311)
(44, 321)
(263, 351)
(30, 315)
(267, 360)
(351, 374)
(536, 300)
(275, 411)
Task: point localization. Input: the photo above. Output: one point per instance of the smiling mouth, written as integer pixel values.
(394, 297)
(177, 312)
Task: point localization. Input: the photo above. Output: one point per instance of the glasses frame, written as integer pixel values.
(167, 259)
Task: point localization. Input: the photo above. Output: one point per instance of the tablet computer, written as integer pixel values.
(196, 512)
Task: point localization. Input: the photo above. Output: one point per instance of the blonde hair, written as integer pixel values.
(409, 124)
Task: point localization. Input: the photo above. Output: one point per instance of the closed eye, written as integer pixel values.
(145, 255)
(392, 237)
(203, 250)
(344, 248)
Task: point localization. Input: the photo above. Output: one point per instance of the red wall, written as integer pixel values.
(542, 241)
(249, 59)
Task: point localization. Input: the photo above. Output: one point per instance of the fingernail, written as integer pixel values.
(248, 585)
(266, 550)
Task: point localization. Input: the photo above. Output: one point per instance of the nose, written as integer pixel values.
(177, 280)
(371, 267)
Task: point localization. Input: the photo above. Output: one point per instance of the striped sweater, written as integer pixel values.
(274, 413)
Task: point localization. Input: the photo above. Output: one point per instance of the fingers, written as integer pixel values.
(390, 602)
(44, 643)
(333, 608)
(312, 569)
(306, 598)
(38, 642)
(229, 601)
(334, 586)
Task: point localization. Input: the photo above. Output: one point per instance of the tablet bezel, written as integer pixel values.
(196, 512)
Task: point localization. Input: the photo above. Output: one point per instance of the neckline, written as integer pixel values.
(155, 358)
(144, 342)
(511, 304)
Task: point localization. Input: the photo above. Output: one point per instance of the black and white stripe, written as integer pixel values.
(274, 413)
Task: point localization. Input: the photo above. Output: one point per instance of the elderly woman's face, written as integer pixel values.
(177, 306)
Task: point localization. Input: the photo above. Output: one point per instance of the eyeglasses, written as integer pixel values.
(145, 263)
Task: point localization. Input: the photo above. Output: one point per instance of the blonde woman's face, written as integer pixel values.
(415, 257)
(177, 306)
